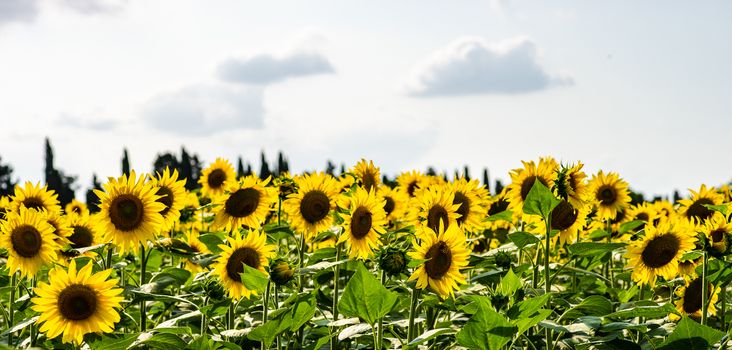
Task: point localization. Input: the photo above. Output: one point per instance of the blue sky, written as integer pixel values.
(640, 88)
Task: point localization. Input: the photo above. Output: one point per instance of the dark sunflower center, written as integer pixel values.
(81, 238)
(660, 250)
(242, 203)
(26, 241)
(34, 203)
(439, 260)
(369, 180)
(360, 223)
(216, 178)
(126, 212)
(389, 205)
(528, 183)
(241, 256)
(619, 216)
(436, 214)
(606, 194)
(464, 209)
(698, 211)
(693, 296)
(498, 206)
(77, 302)
(76, 209)
(718, 235)
(564, 216)
(314, 206)
(166, 198)
(410, 189)
(642, 217)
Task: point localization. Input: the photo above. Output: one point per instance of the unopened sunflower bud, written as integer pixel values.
(503, 260)
(281, 273)
(213, 290)
(393, 261)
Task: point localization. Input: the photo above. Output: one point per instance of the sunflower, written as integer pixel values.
(610, 194)
(84, 235)
(665, 211)
(61, 228)
(309, 209)
(444, 255)
(172, 194)
(76, 208)
(246, 203)
(690, 299)
(718, 232)
(470, 196)
(434, 204)
(213, 179)
(395, 203)
(496, 205)
(411, 182)
(76, 303)
(572, 185)
(368, 174)
(645, 212)
(688, 267)
(130, 212)
(190, 206)
(28, 237)
(363, 224)
(522, 179)
(569, 220)
(328, 241)
(35, 197)
(694, 211)
(658, 253)
(252, 250)
(4, 206)
(198, 247)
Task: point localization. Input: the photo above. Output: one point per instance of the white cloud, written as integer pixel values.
(18, 11)
(268, 68)
(206, 109)
(95, 6)
(74, 121)
(471, 66)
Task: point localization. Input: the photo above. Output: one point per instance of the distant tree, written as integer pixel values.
(466, 173)
(166, 160)
(486, 180)
(186, 169)
(92, 201)
(282, 165)
(240, 171)
(125, 162)
(343, 169)
(431, 171)
(499, 186)
(195, 174)
(264, 170)
(636, 197)
(330, 168)
(677, 196)
(249, 170)
(56, 180)
(7, 185)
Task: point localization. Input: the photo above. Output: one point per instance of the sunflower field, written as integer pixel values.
(558, 259)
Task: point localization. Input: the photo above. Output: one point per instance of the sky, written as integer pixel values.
(639, 88)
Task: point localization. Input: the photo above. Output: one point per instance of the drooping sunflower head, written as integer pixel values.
(658, 253)
(411, 182)
(434, 206)
(690, 299)
(76, 208)
(363, 223)
(129, 212)
(718, 232)
(191, 238)
(522, 179)
(368, 174)
(694, 209)
(35, 197)
(29, 240)
(609, 193)
(569, 220)
(444, 253)
(252, 250)
(471, 197)
(172, 194)
(4, 206)
(213, 179)
(190, 206)
(281, 272)
(572, 185)
(245, 203)
(395, 203)
(309, 210)
(76, 303)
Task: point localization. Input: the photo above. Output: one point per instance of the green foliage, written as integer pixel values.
(365, 297)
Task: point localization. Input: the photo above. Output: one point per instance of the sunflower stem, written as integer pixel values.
(108, 261)
(380, 329)
(704, 288)
(547, 281)
(230, 316)
(13, 287)
(204, 322)
(277, 305)
(412, 312)
(301, 278)
(336, 276)
(265, 304)
(33, 329)
(143, 268)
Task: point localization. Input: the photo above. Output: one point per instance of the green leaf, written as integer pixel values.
(649, 312)
(690, 335)
(416, 262)
(505, 215)
(523, 324)
(165, 341)
(527, 307)
(111, 343)
(593, 248)
(594, 305)
(172, 275)
(253, 279)
(540, 201)
(365, 297)
(486, 329)
(510, 283)
(429, 335)
(692, 255)
(630, 226)
(722, 208)
(522, 239)
(302, 312)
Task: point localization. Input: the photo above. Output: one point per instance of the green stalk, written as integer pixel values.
(143, 268)
(265, 303)
(277, 305)
(547, 281)
(301, 278)
(230, 316)
(705, 289)
(723, 298)
(13, 287)
(204, 321)
(336, 276)
(412, 312)
(380, 330)
(33, 327)
(108, 261)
